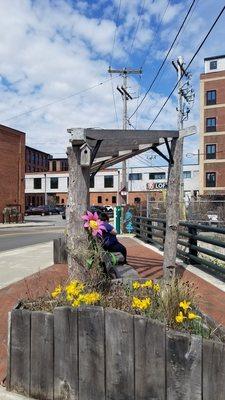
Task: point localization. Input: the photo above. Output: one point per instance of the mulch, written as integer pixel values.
(144, 260)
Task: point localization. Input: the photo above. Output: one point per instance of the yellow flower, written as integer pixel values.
(185, 305)
(136, 285)
(74, 289)
(57, 291)
(141, 304)
(180, 317)
(91, 298)
(156, 287)
(147, 284)
(76, 303)
(192, 315)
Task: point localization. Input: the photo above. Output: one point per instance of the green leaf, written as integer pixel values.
(89, 262)
(114, 259)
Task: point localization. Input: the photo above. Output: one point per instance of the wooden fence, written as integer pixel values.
(96, 354)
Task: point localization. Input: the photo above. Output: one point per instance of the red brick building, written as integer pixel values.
(212, 127)
(12, 168)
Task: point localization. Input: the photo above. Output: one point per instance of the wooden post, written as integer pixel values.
(78, 202)
(173, 209)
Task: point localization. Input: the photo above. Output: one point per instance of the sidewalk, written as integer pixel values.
(26, 225)
(147, 262)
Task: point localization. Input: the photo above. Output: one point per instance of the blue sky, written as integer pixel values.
(53, 49)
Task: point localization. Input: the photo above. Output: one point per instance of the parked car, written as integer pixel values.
(41, 210)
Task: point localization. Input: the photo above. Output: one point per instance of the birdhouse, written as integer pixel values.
(85, 155)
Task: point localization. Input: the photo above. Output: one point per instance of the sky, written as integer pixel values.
(55, 54)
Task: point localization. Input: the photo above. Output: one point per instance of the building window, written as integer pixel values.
(37, 183)
(54, 183)
(210, 151)
(210, 97)
(210, 124)
(213, 65)
(64, 165)
(137, 200)
(53, 165)
(113, 199)
(135, 177)
(186, 174)
(92, 181)
(108, 181)
(210, 179)
(99, 199)
(157, 175)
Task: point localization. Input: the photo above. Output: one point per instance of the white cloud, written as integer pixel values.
(52, 49)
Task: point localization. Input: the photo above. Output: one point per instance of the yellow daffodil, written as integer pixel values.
(147, 284)
(136, 285)
(156, 287)
(192, 315)
(141, 304)
(91, 298)
(185, 305)
(180, 317)
(74, 289)
(57, 291)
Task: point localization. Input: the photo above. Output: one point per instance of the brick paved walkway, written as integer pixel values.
(144, 260)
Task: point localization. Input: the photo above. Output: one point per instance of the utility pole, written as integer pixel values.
(125, 97)
(175, 193)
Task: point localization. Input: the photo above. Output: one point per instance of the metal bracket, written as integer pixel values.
(95, 150)
(98, 169)
(157, 151)
(169, 152)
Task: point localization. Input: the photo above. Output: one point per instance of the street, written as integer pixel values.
(14, 237)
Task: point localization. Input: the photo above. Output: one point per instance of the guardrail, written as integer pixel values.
(199, 245)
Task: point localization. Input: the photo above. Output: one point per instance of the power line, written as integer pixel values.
(114, 38)
(167, 55)
(136, 29)
(155, 33)
(58, 101)
(190, 62)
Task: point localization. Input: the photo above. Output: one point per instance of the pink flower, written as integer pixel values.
(93, 223)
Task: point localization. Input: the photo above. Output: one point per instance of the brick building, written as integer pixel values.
(36, 160)
(12, 169)
(212, 128)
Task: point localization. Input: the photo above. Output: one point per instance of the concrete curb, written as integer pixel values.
(4, 395)
(26, 225)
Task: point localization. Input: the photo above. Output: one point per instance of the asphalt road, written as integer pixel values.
(13, 238)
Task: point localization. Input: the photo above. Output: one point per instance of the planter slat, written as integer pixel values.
(20, 352)
(65, 354)
(184, 372)
(149, 359)
(91, 353)
(119, 355)
(41, 356)
(213, 370)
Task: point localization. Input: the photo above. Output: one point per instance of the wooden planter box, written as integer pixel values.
(104, 354)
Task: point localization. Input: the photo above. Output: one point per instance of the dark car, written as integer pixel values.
(41, 210)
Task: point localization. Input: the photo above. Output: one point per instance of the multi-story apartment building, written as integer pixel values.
(143, 183)
(36, 160)
(12, 169)
(212, 128)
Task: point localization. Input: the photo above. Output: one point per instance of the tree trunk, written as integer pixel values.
(173, 208)
(78, 202)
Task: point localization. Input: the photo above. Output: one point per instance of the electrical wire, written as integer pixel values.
(114, 38)
(114, 102)
(58, 101)
(190, 62)
(155, 33)
(166, 57)
(136, 30)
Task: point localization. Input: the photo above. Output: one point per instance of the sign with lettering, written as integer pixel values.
(156, 185)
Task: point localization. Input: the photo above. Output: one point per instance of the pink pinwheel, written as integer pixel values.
(93, 223)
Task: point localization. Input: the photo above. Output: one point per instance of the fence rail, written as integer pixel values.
(199, 245)
(104, 354)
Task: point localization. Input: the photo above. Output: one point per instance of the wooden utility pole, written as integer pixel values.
(125, 97)
(174, 186)
(78, 202)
